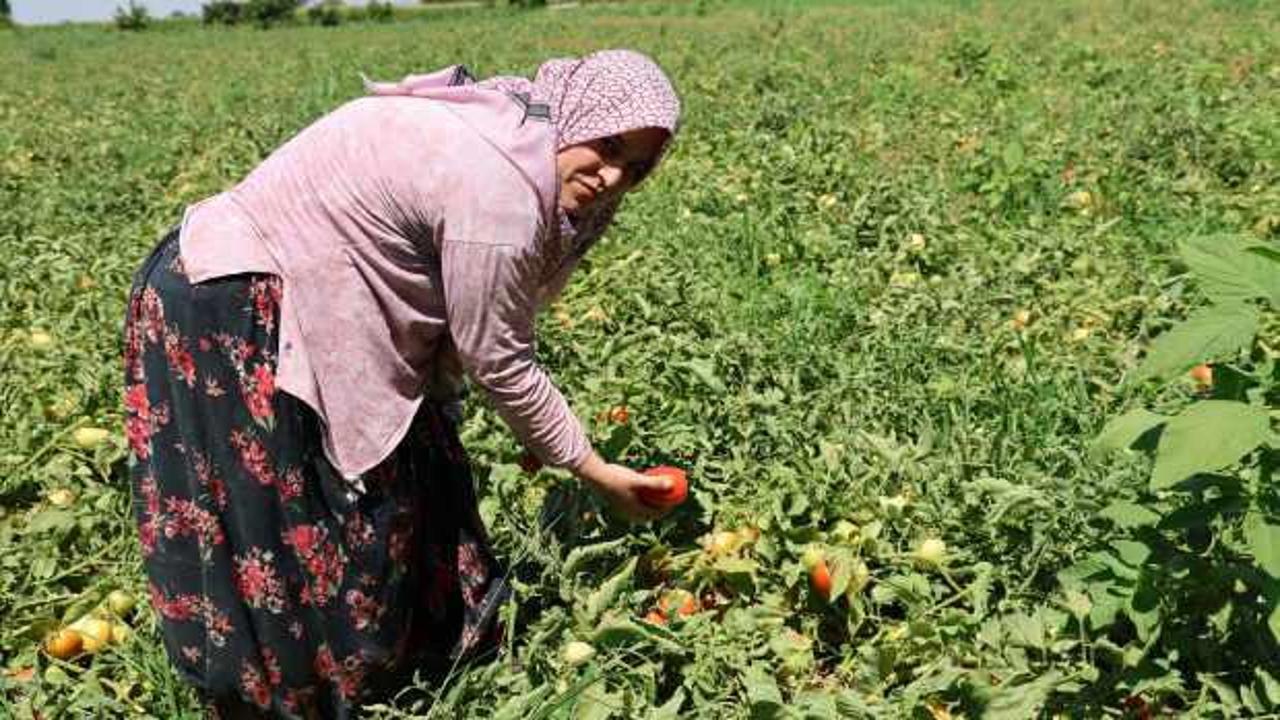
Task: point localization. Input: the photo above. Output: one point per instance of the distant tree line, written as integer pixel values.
(267, 13)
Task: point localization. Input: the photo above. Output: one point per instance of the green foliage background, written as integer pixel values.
(764, 307)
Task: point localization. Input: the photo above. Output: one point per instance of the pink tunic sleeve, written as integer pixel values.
(491, 294)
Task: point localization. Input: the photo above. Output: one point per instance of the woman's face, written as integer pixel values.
(605, 168)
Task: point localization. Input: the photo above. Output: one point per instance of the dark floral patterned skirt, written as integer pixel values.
(280, 585)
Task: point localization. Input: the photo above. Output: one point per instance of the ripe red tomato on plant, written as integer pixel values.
(820, 579)
(674, 495)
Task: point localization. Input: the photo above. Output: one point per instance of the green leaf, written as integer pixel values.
(1227, 272)
(1270, 686)
(1211, 333)
(1267, 252)
(1144, 607)
(1129, 515)
(670, 710)
(1226, 694)
(1124, 431)
(705, 371)
(1132, 552)
(762, 694)
(607, 594)
(596, 703)
(583, 553)
(1013, 155)
(1273, 619)
(1264, 543)
(1208, 436)
(1016, 702)
(51, 520)
(619, 632)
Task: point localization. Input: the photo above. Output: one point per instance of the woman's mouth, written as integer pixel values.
(588, 190)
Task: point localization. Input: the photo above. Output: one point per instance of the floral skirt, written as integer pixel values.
(277, 583)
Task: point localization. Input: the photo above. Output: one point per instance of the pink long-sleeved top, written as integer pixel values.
(409, 234)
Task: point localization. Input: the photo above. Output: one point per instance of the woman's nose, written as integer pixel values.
(611, 175)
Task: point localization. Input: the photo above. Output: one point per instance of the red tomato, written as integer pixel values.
(820, 579)
(674, 495)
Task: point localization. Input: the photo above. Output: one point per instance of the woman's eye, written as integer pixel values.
(612, 146)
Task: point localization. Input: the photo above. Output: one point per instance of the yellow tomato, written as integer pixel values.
(932, 552)
(94, 632)
(120, 603)
(90, 437)
(41, 340)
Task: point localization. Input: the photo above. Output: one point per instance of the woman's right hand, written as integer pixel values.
(620, 486)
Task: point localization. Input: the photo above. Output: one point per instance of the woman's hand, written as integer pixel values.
(620, 487)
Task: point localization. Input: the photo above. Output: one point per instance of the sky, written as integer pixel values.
(38, 12)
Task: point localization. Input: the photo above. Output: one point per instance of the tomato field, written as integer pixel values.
(961, 318)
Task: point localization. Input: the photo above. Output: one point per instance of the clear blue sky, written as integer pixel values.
(35, 12)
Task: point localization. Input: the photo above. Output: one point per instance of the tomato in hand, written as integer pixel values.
(671, 497)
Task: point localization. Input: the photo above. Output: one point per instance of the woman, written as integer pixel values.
(293, 359)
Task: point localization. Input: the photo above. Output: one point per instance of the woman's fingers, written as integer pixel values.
(660, 483)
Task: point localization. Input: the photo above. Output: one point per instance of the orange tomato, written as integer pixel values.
(619, 414)
(1203, 375)
(655, 617)
(682, 600)
(64, 644)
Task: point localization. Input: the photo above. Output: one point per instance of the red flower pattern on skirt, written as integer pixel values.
(322, 560)
(365, 612)
(186, 608)
(265, 293)
(257, 580)
(259, 389)
(180, 360)
(143, 420)
(185, 517)
(253, 457)
(473, 573)
(253, 686)
(359, 532)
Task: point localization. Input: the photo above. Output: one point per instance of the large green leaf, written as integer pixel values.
(607, 594)
(1227, 271)
(1273, 619)
(1125, 430)
(1264, 543)
(763, 694)
(1022, 701)
(1127, 514)
(1208, 436)
(1211, 333)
